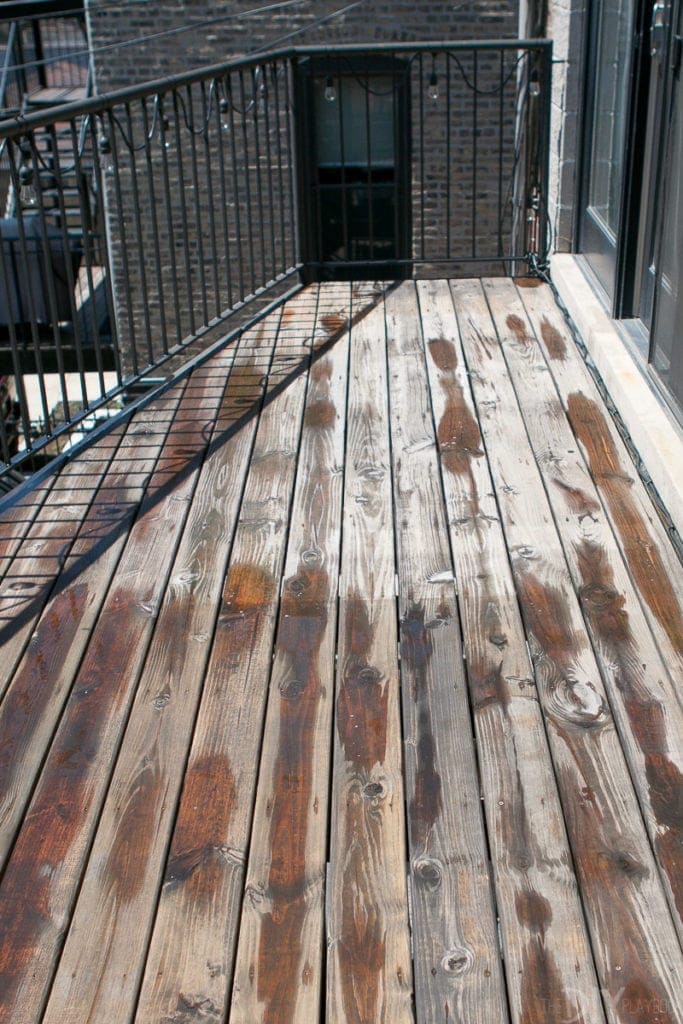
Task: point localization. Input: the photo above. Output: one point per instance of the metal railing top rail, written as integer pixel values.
(14, 127)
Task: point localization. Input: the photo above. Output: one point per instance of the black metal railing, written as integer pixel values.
(159, 217)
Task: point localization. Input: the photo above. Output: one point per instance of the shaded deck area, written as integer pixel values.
(343, 683)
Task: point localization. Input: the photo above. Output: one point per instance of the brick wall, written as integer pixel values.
(153, 287)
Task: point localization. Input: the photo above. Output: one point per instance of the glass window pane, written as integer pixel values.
(357, 101)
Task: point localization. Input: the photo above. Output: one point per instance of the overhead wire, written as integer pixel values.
(177, 30)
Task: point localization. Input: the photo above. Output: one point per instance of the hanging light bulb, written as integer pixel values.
(225, 114)
(166, 132)
(433, 87)
(330, 91)
(28, 196)
(106, 156)
(534, 84)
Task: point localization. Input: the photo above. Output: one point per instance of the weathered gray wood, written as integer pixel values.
(548, 963)
(643, 696)
(46, 863)
(369, 971)
(649, 555)
(119, 891)
(279, 964)
(456, 955)
(634, 942)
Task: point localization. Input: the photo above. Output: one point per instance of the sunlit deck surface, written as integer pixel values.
(343, 683)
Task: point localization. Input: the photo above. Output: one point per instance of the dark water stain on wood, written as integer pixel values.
(303, 621)
(416, 651)
(40, 882)
(528, 282)
(488, 685)
(555, 343)
(544, 997)
(362, 700)
(580, 503)
(333, 322)
(458, 431)
(629, 978)
(533, 911)
(604, 608)
(202, 827)
(642, 554)
(31, 692)
(518, 327)
(124, 873)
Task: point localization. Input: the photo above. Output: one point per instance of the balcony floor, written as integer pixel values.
(347, 688)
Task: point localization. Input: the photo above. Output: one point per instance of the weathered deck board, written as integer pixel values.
(548, 962)
(119, 893)
(651, 560)
(368, 955)
(635, 950)
(643, 696)
(279, 968)
(204, 878)
(39, 559)
(31, 709)
(456, 958)
(47, 859)
(231, 796)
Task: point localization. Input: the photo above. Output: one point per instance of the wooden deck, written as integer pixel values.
(343, 683)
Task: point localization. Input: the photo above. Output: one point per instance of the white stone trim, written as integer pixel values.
(655, 433)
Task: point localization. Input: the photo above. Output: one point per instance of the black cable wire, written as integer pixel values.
(108, 47)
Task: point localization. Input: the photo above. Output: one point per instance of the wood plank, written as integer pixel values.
(643, 696)
(43, 874)
(456, 956)
(119, 892)
(202, 893)
(368, 955)
(17, 514)
(279, 965)
(548, 963)
(29, 580)
(649, 555)
(42, 683)
(634, 942)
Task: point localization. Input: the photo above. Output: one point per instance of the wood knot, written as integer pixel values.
(373, 791)
(458, 961)
(291, 689)
(368, 676)
(428, 872)
(311, 557)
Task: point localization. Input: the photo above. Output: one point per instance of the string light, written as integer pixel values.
(433, 87)
(225, 111)
(106, 156)
(330, 91)
(534, 84)
(28, 196)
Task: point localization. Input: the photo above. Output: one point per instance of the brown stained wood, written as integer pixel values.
(456, 955)
(40, 557)
(119, 891)
(43, 873)
(368, 960)
(642, 694)
(278, 971)
(609, 843)
(548, 963)
(45, 675)
(651, 560)
(190, 961)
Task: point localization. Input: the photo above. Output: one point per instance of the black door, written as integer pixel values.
(354, 162)
(666, 273)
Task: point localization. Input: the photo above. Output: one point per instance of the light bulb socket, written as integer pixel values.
(28, 196)
(330, 91)
(433, 87)
(106, 157)
(224, 108)
(534, 84)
